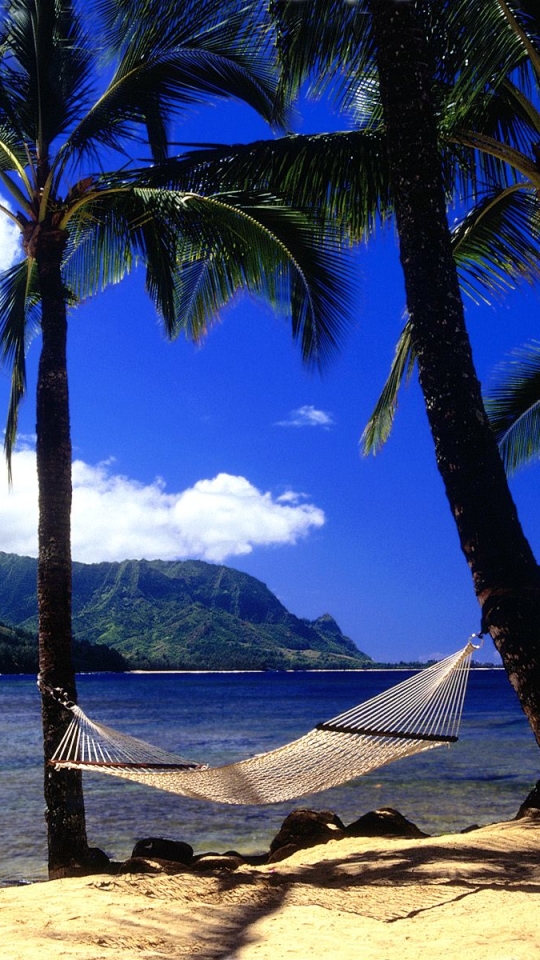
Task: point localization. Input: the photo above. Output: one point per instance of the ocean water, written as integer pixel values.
(222, 717)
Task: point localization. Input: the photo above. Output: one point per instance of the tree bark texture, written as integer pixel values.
(504, 571)
(65, 815)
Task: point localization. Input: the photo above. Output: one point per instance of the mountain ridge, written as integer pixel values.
(181, 615)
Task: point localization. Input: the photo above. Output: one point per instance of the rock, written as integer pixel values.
(531, 805)
(385, 822)
(157, 848)
(306, 828)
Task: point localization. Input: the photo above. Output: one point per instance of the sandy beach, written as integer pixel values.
(474, 896)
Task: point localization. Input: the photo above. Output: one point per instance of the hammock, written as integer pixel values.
(418, 714)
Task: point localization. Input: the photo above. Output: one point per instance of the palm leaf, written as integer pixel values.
(18, 324)
(499, 128)
(248, 242)
(325, 43)
(478, 64)
(201, 251)
(46, 76)
(513, 407)
(497, 244)
(100, 250)
(286, 261)
(13, 159)
(381, 421)
(339, 178)
(167, 62)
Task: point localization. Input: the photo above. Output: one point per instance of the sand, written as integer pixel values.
(473, 896)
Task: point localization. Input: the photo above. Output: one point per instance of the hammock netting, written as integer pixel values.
(420, 713)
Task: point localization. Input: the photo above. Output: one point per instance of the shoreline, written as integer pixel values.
(475, 894)
(385, 668)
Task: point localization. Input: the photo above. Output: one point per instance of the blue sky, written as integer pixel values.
(233, 452)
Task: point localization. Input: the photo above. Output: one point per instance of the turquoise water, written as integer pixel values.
(216, 718)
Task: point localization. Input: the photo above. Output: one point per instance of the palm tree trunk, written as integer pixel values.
(65, 815)
(504, 571)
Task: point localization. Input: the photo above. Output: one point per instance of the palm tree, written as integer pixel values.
(380, 55)
(496, 245)
(489, 129)
(505, 574)
(62, 124)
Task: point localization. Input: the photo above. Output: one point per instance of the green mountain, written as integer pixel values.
(185, 615)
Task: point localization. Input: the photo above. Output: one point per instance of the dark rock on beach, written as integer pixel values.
(385, 822)
(158, 848)
(305, 828)
(301, 829)
(252, 859)
(531, 805)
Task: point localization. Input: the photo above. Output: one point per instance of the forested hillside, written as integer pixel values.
(179, 615)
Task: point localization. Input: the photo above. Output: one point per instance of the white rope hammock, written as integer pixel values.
(418, 714)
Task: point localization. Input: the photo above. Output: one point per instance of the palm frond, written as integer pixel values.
(162, 86)
(149, 26)
(475, 63)
(169, 56)
(483, 84)
(325, 43)
(362, 100)
(497, 244)
(100, 250)
(18, 323)
(341, 179)
(381, 421)
(513, 407)
(200, 251)
(12, 153)
(499, 128)
(46, 76)
(253, 243)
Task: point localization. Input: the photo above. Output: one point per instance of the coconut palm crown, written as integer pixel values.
(486, 103)
(490, 132)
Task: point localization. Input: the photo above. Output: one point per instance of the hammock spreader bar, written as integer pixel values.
(395, 734)
(420, 713)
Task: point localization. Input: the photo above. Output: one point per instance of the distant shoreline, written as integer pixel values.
(384, 668)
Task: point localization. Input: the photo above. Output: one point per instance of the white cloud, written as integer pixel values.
(115, 518)
(307, 416)
(10, 241)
